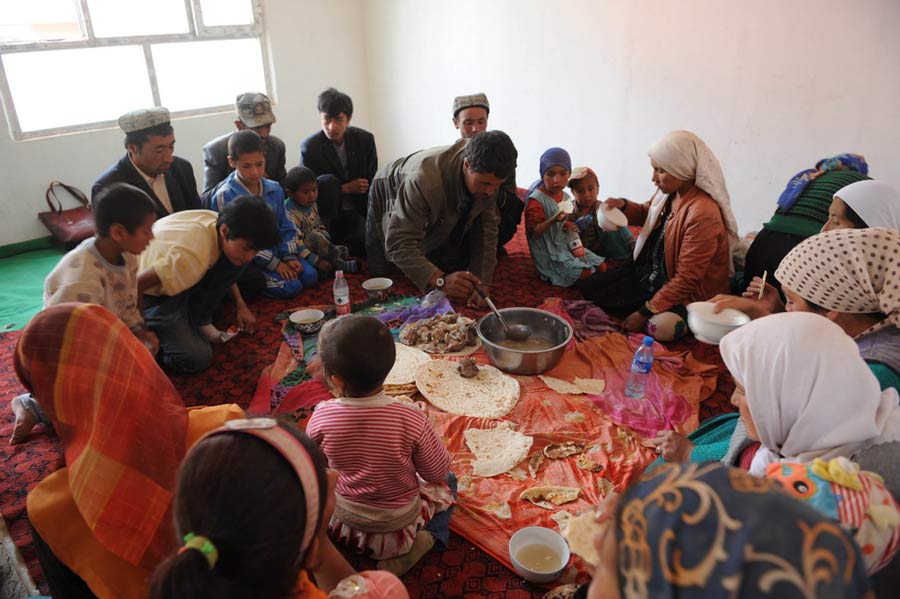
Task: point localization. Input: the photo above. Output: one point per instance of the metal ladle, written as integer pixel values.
(515, 332)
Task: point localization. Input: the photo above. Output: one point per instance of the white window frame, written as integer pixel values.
(197, 32)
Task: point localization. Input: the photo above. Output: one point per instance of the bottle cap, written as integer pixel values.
(339, 273)
(648, 340)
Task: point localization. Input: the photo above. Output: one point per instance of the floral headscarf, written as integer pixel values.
(706, 530)
(841, 162)
(857, 499)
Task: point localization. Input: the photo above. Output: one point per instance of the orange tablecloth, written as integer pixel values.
(612, 425)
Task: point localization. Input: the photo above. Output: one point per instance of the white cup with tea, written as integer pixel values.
(539, 554)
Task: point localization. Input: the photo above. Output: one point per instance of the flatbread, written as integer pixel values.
(548, 497)
(496, 450)
(579, 532)
(605, 487)
(534, 464)
(489, 394)
(405, 364)
(562, 450)
(591, 386)
(579, 386)
(562, 517)
(586, 463)
(561, 386)
(501, 510)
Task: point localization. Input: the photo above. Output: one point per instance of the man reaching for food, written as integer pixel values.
(433, 214)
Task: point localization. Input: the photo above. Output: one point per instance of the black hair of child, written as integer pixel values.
(245, 141)
(244, 496)
(139, 138)
(331, 102)
(296, 177)
(121, 204)
(360, 350)
(251, 219)
(492, 152)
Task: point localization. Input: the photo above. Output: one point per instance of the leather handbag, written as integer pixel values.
(68, 226)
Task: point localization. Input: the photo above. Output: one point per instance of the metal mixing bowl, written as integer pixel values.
(542, 323)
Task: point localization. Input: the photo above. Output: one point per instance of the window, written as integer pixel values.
(75, 65)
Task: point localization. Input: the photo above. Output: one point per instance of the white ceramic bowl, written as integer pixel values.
(538, 535)
(308, 321)
(611, 219)
(710, 327)
(378, 288)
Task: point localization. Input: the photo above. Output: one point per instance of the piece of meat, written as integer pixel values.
(467, 367)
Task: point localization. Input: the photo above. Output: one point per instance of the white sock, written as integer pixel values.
(212, 334)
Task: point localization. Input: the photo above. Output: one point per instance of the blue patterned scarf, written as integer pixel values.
(847, 162)
(707, 530)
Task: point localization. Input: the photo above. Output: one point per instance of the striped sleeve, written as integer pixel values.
(431, 457)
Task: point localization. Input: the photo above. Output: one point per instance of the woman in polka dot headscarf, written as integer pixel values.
(850, 276)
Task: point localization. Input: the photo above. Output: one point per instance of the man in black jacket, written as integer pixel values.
(344, 160)
(150, 164)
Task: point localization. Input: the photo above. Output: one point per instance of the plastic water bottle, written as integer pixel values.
(341, 294)
(640, 369)
(574, 242)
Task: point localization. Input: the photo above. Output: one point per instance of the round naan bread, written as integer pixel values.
(406, 363)
(489, 394)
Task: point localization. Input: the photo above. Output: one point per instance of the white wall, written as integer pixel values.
(313, 43)
(771, 86)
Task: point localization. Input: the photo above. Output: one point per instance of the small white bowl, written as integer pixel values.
(611, 219)
(378, 288)
(308, 321)
(710, 327)
(538, 535)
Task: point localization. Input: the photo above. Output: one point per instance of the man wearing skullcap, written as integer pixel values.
(470, 116)
(150, 164)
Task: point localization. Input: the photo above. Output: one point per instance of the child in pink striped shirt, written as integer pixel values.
(392, 496)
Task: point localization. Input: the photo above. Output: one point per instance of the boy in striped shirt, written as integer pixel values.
(392, 498)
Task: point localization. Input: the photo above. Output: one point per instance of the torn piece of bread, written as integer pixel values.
(579, 532)
(496, 450)
(549, 496)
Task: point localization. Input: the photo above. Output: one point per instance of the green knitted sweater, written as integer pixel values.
(806, 217)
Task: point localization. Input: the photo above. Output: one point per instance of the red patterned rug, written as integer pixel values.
(461, 570)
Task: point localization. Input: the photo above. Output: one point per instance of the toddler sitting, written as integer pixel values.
(302, 190)
(392, 498)
(615, 246)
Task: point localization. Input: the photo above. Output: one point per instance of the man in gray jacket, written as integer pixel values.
(433, 214)
(253, 111)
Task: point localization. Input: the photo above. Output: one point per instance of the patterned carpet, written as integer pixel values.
(461, 570)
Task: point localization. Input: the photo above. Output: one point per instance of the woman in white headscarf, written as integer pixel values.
(803, 392)
(864, 204)
(683, 253)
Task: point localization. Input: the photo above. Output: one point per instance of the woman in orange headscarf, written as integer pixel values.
(106, 517)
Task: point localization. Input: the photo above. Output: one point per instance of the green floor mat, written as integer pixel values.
(22, 286)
